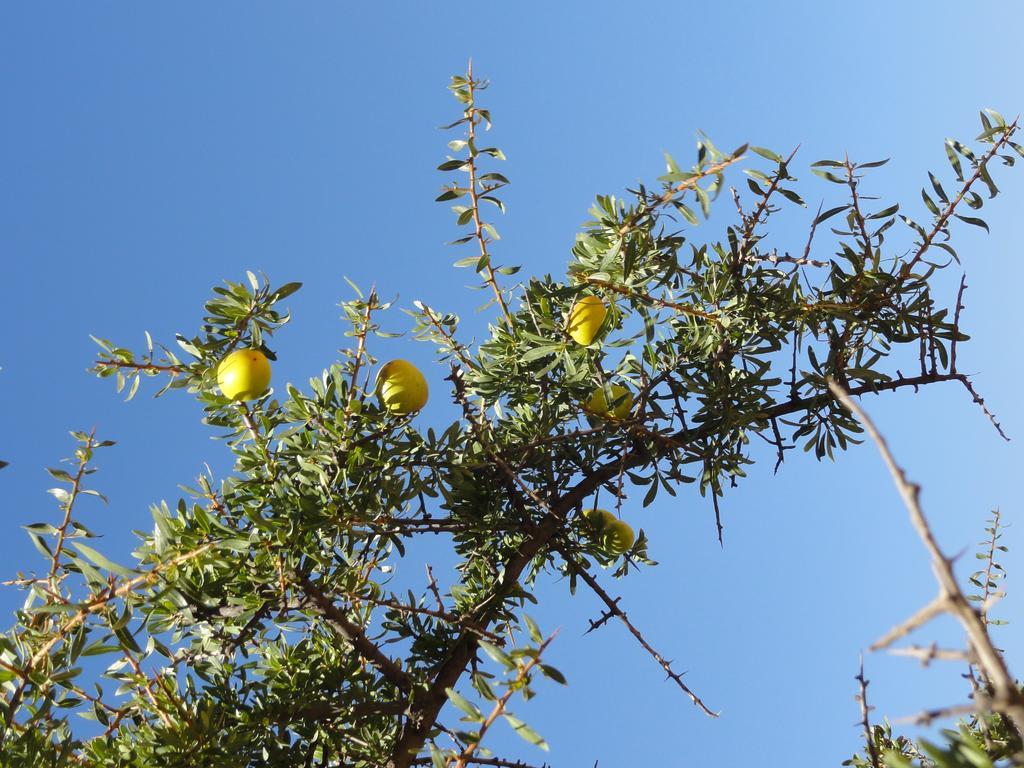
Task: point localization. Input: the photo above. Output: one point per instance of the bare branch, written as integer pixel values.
(929, 716)
(931, 653)
(919, 619)
(614, 610)
(1007, 696)
(981, 404)
(865, 710)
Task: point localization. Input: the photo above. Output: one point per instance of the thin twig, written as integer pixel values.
(69, 506)
(935, 608)
(865, 710)
(956, 322)
(926, 655)
(980, 401)
(614, 610)
(474, 196)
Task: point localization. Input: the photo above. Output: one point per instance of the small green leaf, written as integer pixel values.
(471, 710)
(972, 220)
(102, 561)
(767, 154)
(553, 673)
(533, 629)
(886, 213)
(497, 654)
(954, 161)
(526, 731)
(829, 213)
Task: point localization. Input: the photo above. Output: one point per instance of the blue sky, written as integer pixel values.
(150, 151)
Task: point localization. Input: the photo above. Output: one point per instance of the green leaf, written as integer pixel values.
(688, 214)
(829, 213)
(929, 203)
(471, 710)
(102, 561)
(40, 544)
(451, 194)
(553, 673)
(127, 639)
(885, 213)
(792, 196)
(983, 173)
(285, 291)
(972, 220)
(533, 629)
(767, 154)
(914, 225)
(526, 731)
(954, 160)
(828, 176)
(497, 654)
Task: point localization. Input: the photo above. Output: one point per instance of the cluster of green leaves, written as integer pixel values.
(238, 312)
(964, 748)
(262, 623)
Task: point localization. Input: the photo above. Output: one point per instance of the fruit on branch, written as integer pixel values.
(244, 374)
(585, 319)
(401, 387)
(618, 536)
(619, 408)
(615, 536)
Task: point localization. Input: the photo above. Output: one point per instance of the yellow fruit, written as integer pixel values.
(621, 398)
(244, 374)
(618, 536)
(614, 535)
(597, 518)
(585, 319)
(401, 387)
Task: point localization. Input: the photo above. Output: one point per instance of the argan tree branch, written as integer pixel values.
(614, 610)
(1007, 697)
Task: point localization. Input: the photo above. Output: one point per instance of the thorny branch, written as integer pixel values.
(865, 711)
(614, 610)
(1007, 698)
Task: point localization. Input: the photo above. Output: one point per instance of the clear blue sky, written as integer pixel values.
(148, 151)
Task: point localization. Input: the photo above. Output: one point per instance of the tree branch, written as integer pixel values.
(1007, 697)
(354, 635)
(614, 610)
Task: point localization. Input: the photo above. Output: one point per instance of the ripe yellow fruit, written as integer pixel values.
(585, 319)
(401, 387)
(244, 374)
(597, 518)
(622, 401)
(618, 536)
(614, 535)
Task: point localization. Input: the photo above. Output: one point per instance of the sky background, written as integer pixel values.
(148, 152)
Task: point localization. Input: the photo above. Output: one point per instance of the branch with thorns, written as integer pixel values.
(1006, 698)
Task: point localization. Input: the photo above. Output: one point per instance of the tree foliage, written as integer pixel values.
(258, 624)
